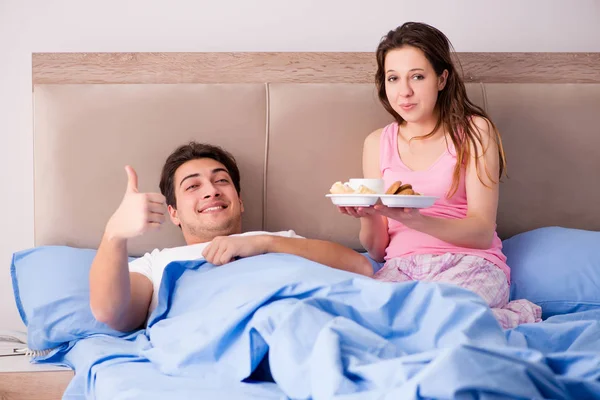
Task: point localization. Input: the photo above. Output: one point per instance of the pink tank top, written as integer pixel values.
(434, 181)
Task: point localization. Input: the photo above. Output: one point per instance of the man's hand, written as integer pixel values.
(224, 249)
(138, 213)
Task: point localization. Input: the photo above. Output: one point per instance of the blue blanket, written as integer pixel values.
(308, 331)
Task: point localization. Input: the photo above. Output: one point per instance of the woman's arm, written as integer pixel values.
(374, 236)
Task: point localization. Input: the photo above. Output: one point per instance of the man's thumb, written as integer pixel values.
(132, 180)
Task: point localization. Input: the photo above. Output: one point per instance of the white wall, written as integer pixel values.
(28, 26)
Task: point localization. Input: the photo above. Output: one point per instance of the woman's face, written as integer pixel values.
(411, 84)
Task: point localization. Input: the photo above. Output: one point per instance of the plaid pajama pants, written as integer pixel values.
(470, 272)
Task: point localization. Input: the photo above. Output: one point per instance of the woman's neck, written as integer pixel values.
(410, 130)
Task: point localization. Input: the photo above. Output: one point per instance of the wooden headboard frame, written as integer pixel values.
(132, 68)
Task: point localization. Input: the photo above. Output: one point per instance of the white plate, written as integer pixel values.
(407, 201)
(353, 200)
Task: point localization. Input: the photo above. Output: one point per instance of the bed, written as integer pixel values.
(296, 123)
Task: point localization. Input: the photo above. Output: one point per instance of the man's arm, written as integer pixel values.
(119, 298)
(223, 249)
(321, 251)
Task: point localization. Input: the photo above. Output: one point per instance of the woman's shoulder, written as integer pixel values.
(481, 123)
(479, 131)
(374, 137)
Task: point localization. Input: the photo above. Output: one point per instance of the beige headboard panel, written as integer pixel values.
(292, 140)
(551, 136)
(86, 134)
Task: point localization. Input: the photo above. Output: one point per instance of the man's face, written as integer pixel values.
(207, 202)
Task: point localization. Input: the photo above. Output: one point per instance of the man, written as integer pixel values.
(200, 186)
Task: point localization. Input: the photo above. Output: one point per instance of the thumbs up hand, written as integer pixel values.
(138, 212)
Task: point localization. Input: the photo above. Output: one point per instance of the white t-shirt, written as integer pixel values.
(152, 265)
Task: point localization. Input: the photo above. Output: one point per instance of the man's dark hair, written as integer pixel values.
(193, 151)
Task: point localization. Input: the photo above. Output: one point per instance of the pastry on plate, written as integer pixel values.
(341, 188)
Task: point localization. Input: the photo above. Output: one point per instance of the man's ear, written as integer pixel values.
(442, 80)
(241, 205)
(173, 215)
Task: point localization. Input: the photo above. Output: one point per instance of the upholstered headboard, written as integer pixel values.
(292, 138)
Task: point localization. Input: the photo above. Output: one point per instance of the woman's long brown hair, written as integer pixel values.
(455, 109)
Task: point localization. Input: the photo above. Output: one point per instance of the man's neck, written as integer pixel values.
(207, 237)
